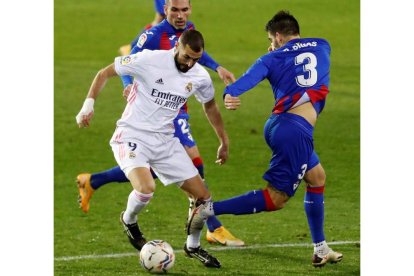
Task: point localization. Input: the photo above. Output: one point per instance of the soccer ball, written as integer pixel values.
(157, 256)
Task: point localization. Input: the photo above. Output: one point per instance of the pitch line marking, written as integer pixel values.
(120, 255)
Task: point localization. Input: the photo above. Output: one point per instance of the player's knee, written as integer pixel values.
(316, 177)
(275, 199)
(146, 188)
(195, 188)
(317, 181)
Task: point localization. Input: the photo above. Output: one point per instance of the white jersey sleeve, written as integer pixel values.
(131, 65)
(205, 91)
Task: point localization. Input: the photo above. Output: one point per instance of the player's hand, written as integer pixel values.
(231, 103)
(126, 91)
(222, 154)
(225, 75)
(85, 114)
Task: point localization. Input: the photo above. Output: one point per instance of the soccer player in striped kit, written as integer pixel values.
(159, 16)
(164, 36)
(298, 72)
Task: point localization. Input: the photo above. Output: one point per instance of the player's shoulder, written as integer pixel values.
(300, 45)
(309, 42)
(200, 71)
(318, 41)
(149, 38)
(201, 75)
(152, 55)
(190, 25)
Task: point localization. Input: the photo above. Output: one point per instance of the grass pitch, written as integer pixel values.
(87, 36)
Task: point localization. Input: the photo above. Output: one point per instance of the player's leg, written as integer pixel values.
(314, 208)
(285, 140)
(144, 187)
(138, 171)
(291, 147)
(216, 232)
(196, 188)
(89, 183)
(176, 167)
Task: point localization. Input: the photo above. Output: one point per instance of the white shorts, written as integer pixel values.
(163, 153)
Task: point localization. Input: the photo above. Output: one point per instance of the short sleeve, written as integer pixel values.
(130, 65)
(205, 91)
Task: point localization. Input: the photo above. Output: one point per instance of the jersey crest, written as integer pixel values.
(189, 87)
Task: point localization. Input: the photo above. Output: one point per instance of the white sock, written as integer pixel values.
(321, 248)
(208, 210)
(191, 207)
(136, 202)
(193, 240)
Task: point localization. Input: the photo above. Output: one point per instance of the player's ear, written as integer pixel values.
(278, 38)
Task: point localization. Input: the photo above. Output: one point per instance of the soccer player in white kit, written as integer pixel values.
(144, 136)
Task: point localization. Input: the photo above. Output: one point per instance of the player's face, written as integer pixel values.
(185, 58)
(274, 44)
(177, 12)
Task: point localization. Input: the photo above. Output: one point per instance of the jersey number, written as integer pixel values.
(184, 128)
(308, 67)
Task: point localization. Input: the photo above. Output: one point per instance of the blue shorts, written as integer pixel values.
(159, 6)
(290, 138)
(183, 131)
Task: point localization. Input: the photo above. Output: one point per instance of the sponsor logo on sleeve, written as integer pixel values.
(142, 40)
(125, 60)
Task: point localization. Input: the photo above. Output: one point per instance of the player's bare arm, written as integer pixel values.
(231, 103)
(214, 117)
(126, 91)
(86, 113)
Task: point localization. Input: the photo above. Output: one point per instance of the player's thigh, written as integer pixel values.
(173, 165)
(131, 154)
(291, 147)
(142, 180)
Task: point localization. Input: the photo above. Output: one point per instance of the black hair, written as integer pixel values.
(284, 23)
(194, 39)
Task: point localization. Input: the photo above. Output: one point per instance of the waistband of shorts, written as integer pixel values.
(294, 118)
(122, 134)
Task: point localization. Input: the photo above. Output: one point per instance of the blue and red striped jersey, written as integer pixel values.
(298, 72)
(164, 36)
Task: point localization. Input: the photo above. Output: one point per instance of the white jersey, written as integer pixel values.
(159, 90)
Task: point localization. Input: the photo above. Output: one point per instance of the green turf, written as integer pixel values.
(87, 36)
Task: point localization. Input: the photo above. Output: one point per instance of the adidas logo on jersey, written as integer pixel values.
(159, 81)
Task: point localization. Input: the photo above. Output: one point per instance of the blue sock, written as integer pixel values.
(248, 203)
(198, 163)
(213, 223)
(112, 175)
(314, 208)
